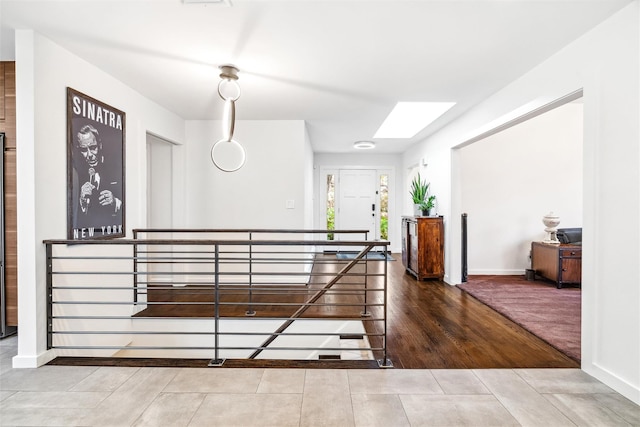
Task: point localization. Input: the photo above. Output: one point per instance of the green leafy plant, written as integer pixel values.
(431, 202)
(428, 204)
(419, 189)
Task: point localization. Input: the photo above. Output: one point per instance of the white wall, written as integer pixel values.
(605, 63)
(43, 72)
(541, 160)
(255, 196)
(366, 160)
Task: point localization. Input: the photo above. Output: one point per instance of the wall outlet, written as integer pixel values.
(291, 204)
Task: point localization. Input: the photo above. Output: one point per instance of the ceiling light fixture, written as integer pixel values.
(364, 145)
(408, 118)
(227, 154)
(222, 2)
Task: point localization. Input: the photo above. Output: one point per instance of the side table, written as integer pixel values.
(559, 263)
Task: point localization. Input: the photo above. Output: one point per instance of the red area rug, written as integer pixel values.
(549, 313)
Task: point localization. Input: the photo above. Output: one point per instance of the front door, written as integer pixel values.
(357, 208)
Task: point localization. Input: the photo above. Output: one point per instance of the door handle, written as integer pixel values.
(373, 207)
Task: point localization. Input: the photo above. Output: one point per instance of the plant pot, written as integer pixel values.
(416, 210)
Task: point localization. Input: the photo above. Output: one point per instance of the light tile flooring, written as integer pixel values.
(120, 396)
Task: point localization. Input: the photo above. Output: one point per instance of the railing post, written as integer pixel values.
(464, 247)
(217, 361)
(250, 311)
(135, 268)
(385, 362)
(365, 312)
(49, 251)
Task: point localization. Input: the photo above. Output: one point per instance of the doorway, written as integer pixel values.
(357, 201)
(356, 198)
(519, 175)
(159, 183)
(159, 197)
(507, 182)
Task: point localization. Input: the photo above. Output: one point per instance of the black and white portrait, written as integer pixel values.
(95, 146)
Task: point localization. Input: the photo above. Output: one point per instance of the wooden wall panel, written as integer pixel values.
(8, 117)
(8, 126)
(2, 103)
(10, 237)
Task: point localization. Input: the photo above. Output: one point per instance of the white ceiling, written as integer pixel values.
(339, 65)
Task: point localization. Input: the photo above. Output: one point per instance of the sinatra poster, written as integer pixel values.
(95, 168)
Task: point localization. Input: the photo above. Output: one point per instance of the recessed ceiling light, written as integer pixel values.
(222, 2)
(364, 145)
(408, 118)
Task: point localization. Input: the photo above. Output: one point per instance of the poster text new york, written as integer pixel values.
(90, 232)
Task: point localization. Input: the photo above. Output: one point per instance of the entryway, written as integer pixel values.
(356, 198)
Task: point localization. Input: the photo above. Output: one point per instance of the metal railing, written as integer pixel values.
(213, 298)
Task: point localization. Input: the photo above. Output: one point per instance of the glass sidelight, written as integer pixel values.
(384, 206)
(331, 211)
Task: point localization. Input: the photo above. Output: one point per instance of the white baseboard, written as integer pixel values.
(21, 361)
(510, 272)
(620, 385)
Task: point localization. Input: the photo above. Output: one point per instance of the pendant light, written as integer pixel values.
(227, 154)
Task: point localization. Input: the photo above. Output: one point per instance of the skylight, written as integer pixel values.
(408, 118)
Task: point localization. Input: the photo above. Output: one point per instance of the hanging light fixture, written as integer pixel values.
(227, 154)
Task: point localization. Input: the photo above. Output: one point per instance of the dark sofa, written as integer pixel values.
(570, 235)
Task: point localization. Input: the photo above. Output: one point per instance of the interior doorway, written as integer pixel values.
(159, 182)
(159, 198)
(532, 165)
(505, 170)
(531, 169)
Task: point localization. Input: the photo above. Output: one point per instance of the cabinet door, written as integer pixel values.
(432, 253)
(571, 270)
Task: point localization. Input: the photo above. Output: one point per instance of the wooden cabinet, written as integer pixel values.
(423, 246)
(560, 263)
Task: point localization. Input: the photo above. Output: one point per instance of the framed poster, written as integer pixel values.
(95, 168)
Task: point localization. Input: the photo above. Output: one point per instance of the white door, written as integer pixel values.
(357, 208)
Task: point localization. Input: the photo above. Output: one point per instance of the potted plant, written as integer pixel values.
(427, 206)
(418, 192)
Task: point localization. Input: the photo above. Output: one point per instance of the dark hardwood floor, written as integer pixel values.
(430, 324)
(435, 325)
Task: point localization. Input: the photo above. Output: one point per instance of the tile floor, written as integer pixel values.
(120, 396)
